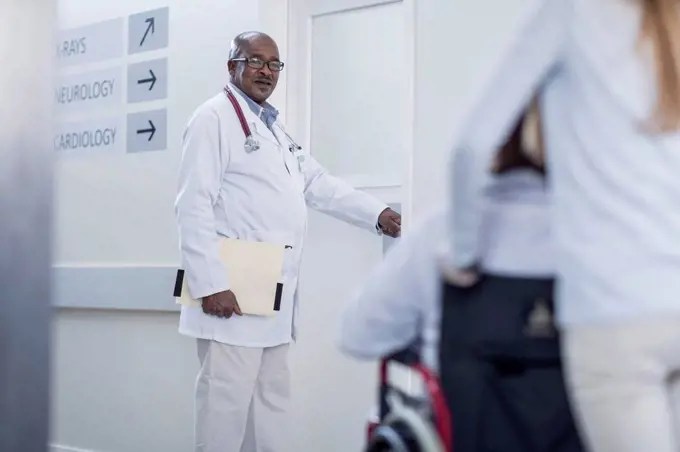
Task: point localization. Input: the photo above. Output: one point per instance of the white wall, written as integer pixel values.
(135, 193)
(123, 380)
(457, 44)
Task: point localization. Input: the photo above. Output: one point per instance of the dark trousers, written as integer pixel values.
(500, 368)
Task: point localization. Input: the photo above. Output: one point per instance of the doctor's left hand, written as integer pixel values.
(222, 304)
(390, 223)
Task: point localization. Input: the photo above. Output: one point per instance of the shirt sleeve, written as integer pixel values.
(535, 53)
(390, 311)
(200, 179)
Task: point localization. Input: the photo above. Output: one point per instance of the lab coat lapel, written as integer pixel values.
(260, 129)
(278, 133)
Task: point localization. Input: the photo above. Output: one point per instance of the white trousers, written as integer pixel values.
(625, 385)
(242, 397)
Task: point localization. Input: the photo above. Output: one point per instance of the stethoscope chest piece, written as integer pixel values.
(251, 144)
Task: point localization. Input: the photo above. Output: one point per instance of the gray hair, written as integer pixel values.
(241, 42)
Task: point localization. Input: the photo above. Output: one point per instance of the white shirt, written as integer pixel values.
(400, 303)
(616, 189)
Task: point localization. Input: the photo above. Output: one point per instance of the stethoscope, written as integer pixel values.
(252, 144)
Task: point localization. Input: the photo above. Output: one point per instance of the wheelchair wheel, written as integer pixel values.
(404, 430)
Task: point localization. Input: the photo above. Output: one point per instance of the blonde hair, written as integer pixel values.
(661, 28)
(532, 133)
(524, 145)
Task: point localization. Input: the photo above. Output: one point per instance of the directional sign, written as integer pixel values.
(88, 90)
(91, 43)
(147, 131)
(103, 134)
(147, 81)
(148, 30)
(389, 242)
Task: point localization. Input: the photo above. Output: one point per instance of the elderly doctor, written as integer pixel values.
(243, 177)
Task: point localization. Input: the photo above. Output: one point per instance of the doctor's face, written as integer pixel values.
(252, 71)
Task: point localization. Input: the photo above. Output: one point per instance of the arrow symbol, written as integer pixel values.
(151, 130)
(150, 27)
(151, 80)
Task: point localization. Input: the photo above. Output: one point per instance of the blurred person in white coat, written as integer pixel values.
(609, 76)
(242, 176)
(400, 303)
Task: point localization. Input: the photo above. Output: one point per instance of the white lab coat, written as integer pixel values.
(258, 196)
(400, 302)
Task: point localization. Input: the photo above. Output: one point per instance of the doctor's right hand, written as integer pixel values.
(221, 304)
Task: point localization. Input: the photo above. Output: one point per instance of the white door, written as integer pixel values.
(349, 100)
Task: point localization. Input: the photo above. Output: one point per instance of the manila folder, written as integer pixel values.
(253, 271)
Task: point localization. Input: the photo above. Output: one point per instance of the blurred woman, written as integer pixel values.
(608, 72)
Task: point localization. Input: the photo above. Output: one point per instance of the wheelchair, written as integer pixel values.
(409, 423)
(501, 368)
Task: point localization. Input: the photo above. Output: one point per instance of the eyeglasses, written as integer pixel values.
(257, 63)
